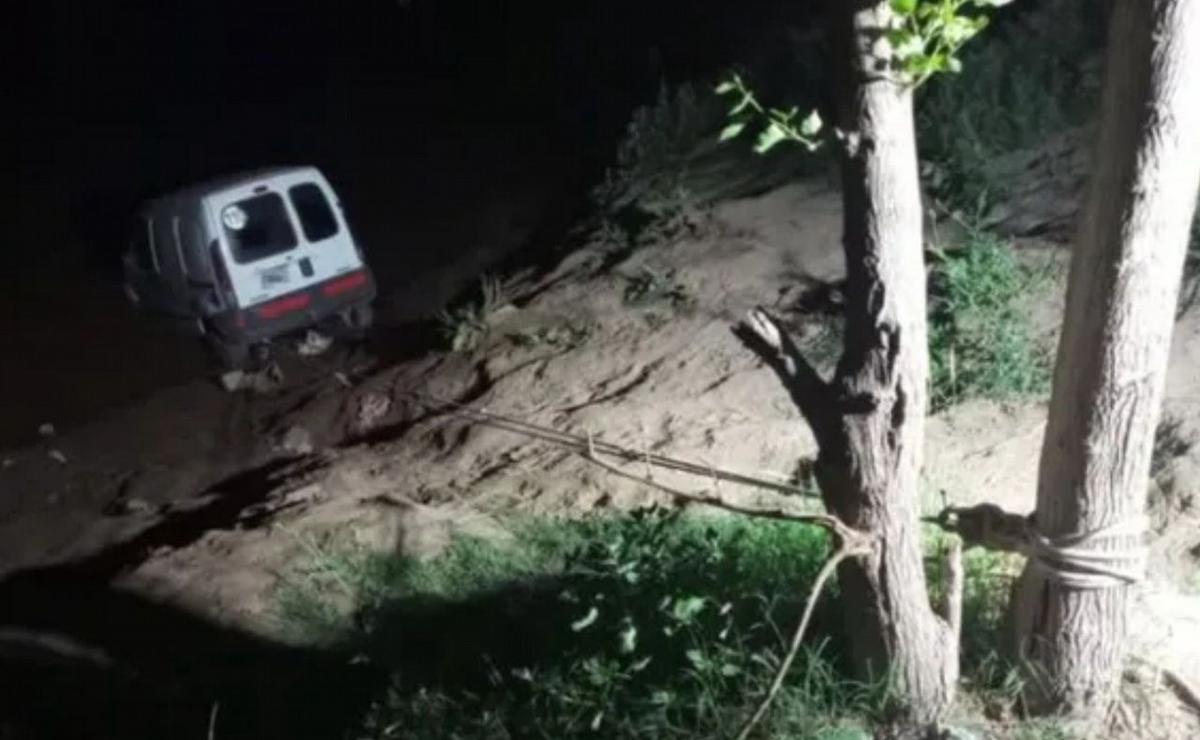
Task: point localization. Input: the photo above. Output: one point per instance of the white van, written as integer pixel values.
(247, 259)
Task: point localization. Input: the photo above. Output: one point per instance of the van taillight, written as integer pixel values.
(223, 280)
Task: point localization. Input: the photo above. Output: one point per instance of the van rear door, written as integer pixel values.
(282, 235)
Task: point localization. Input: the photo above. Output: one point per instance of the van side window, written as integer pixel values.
(143, 253)
(316, 216)
(166, 251)
(195, 252)
(258, 227)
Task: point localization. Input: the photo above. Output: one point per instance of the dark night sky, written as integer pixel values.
(122, 99)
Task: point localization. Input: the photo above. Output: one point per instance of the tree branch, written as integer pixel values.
(766, 337)
(843, 551)
(858, 540)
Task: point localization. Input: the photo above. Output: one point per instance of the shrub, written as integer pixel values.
(671, 161)
(465, 327)
(981, 341)
(1028, 77)
(650, 624)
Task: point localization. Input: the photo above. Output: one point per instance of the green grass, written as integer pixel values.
(981, 339)
(642, 625)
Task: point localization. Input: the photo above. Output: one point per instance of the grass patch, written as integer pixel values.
(651, 624)
(981, 339)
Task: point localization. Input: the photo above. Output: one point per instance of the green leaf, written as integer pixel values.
(696, 658)
(725, 87)
(686, 609)
(771, 136)
(904, 7)
(741, 106)
(811, 125)
(587, 621)
(732, 130)
(910, 45)
(629, 639)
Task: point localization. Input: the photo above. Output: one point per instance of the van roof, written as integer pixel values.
(216, 185)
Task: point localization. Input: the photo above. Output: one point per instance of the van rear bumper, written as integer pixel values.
(297, 310)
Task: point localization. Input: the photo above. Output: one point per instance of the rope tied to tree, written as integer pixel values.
(1074, 560)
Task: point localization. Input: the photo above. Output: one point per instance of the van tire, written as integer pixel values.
(356, 321)
(230, 355)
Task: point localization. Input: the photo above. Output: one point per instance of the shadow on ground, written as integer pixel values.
(81, 660)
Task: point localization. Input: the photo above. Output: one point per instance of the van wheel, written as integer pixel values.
(231, 355)
(356, 321)
(234, 355)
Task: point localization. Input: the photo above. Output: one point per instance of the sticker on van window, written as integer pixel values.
(234, 217)
(274, 276)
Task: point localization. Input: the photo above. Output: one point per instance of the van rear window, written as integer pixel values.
(316, 217)
(258, 227)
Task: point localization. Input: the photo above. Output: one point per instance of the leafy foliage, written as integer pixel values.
(1019, 84)
(780, 126)
(927, 35)
(981, 343)
(650, 624)
(670, 164)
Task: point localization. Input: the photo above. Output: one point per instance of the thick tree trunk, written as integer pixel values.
(1112, 356)
(870, 461)
(869, 420)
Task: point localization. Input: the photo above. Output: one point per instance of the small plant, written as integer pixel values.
(564, 336)
(649, 287)
(671, 165)
(652, 286)
(654, 159)
(781, 123)
(981, 343)
(465, 327)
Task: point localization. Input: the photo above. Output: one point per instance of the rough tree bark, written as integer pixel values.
(1122, 290)
(869, 420)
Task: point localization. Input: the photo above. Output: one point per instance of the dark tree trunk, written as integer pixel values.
(1112, 356)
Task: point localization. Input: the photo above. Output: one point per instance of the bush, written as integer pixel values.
(672, 160)
(1025, 79)
(465, 327)
(981, 340)
(651, 624)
